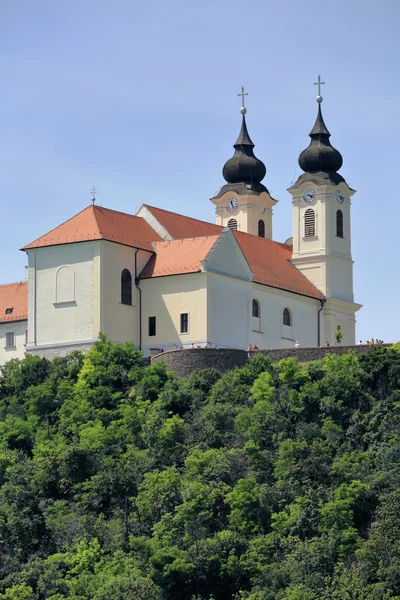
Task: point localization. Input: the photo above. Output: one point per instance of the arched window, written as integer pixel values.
(232, 223)
(287, 317)
(65, 284)
(309, 223)
(261, 228)
(339, 223)
(256, 311)
(126, 287)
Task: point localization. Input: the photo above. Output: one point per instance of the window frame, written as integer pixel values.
(287, 316)
(126, 288)
(13, 345)
(255, 304)
(152, 326)
(59, 298)
(184, 321)
(261, 223)
(339, 224)
(309, 225)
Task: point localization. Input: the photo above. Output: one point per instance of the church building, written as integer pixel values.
(166, 280)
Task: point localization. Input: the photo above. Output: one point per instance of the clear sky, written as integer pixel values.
(140, 99)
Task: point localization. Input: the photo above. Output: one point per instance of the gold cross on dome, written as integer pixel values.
(319, 83)
(243, 94)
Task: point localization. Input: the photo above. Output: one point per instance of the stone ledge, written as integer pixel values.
(51, 352)
(183, 362)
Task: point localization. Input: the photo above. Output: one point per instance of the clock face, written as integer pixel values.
(339, 197)
(308, 195)
(232, 204)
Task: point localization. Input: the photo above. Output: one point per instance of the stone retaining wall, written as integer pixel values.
(183, 362)
(55, 351)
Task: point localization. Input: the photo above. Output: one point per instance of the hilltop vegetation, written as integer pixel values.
(271, 482)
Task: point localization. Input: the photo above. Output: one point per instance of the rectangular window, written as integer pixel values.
(10, 339)
(152, 326)
(184, 322)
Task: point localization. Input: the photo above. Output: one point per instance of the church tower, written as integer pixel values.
(321, 229)
(244, 203)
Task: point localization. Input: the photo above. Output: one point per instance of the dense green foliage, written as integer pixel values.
(273, 481)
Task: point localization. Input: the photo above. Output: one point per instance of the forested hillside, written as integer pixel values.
(273, 481)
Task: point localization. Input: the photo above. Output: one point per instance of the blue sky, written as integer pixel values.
(140, 99)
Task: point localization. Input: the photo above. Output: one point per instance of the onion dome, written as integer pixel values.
(320, 156)
(244, 167)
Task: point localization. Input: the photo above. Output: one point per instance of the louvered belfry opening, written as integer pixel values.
(309, 223)
(339, 223)
(232, 224)
(261, 228)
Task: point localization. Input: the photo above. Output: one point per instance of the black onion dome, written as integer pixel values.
(244, 167)
(320, 155)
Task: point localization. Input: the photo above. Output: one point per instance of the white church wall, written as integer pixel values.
(18, 328)
(228, 311)
(303, 319)
(230, 320)
(339, 278)
(56, 319)
(339, 313)
(166, 298)
(118, 320)
(226, 258)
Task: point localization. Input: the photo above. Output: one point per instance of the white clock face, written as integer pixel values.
(339, 197)
(232, 204)
(308, 195)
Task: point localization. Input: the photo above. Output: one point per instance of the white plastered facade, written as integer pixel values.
(218, 301)
(325, 257)
(74, 289)
(18, 329)
(74, 292)
(250, 210)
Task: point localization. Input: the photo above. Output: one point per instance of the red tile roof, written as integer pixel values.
(269, 261)
(15, 296)
(179, 226)
(98, 223)
(178, 256)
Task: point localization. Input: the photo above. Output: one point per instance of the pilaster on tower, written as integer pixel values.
(244, 203)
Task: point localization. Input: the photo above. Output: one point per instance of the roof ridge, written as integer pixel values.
(14, 283)
(95, 218)
(208, 223)
(197, 237)
(60, 225)
(120, 212)
(179, 215)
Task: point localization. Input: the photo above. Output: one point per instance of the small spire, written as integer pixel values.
(320, 156)
(320, 128)
(244, 167)
(93, 192)
(244, 138)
